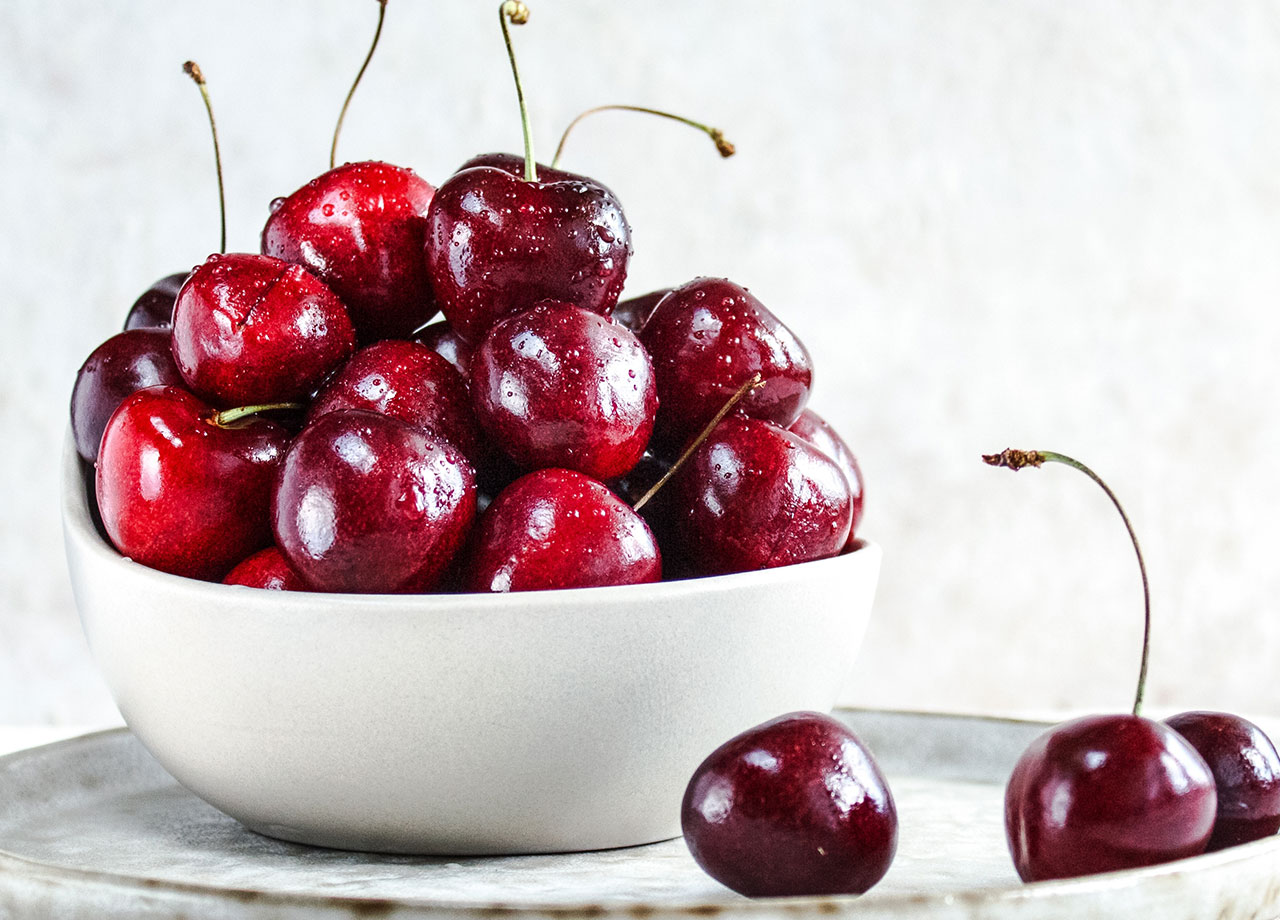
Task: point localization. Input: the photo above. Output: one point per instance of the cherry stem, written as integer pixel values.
(225, 418)
(518, 13)
(1016, 460)
(725, 148)
(192, 69)
(333, 148)
(755, 382)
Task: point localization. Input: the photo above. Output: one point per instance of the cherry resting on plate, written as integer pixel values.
(813, 428)
(1246, 772)
(559, 386)
(705, 338)
(1106, 792)
(183, 488)
(559, 529)
(796, 806)
(253, 329)
(154, 309)
(123, 364)
(266, 569)
(368, 503)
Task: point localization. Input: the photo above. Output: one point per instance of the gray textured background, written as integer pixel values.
(994, 222)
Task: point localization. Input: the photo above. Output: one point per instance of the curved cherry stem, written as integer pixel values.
(1016, 460)
(755, 382)
(723, 145)
(333, 148)
(518, 13)
(228, 418)
(192, 69)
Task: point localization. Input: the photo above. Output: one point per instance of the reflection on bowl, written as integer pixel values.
(458, 724)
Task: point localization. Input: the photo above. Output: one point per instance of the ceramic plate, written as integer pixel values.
(94, 828)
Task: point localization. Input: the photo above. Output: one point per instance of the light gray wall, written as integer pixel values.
(994, 222)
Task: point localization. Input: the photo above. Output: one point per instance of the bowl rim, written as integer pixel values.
(79, 527)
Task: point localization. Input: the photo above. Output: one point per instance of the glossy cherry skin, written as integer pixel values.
(706, 339)
(813, 428)
(410, 382)
(267, 569)
(796, 806)
(123, 364)
(557, 528)
(1246, 773)
(441, 339)
(560, 386)
(360, 229)
(154, 309)
(250, 329)
(178, 492)
(634, 312)
(514, 164)
(496, 245)
(367, 503)
(755, 496)
(1104, 793)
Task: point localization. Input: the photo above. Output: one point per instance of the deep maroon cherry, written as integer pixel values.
(815, 429)
(1246, 772)
(708, 336)
(253, 329)
(154, 309)
(372, 504)
(514, 164)
(123, 364)
(635, 311)
(360, 228)
(267, 569)
(557, 528)
(179, 491)
(1104, 793)
(755, 496)
(560, 386)
(796, 806)
(408, 381)
(441, 339)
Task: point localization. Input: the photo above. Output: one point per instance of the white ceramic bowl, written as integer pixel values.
(458, 724)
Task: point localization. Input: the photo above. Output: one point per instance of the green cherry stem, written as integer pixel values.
(725, 148)
(1016, 460)
(226, 418)
(377, 34)
(192, 69)
(518, 13)
(755, 382)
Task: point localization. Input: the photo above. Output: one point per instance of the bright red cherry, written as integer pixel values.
(557, 528)
(266, 569)
(559, 386)
(796, 806)
(1246, 773)
(154, 309)
(368, 503)
(181, 491)
(253, 329)
(814, 428)
(705, 339)
(123, 364)
(360, 228)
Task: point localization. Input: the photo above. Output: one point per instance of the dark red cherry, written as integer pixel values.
(705, 339)
(796, 806)
(441, 339)
(181, 493)
(408, 381)
(266, 569)
(514, 164)
(557, 528)
(755, 496)
(635, 311)
(154, 309)
(1246, 773)
(368, 503)
(1104, 793)
(360, 229)
(123, 364)
(560, 386)
(250, 329)
(814, 429)
(497, 244)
